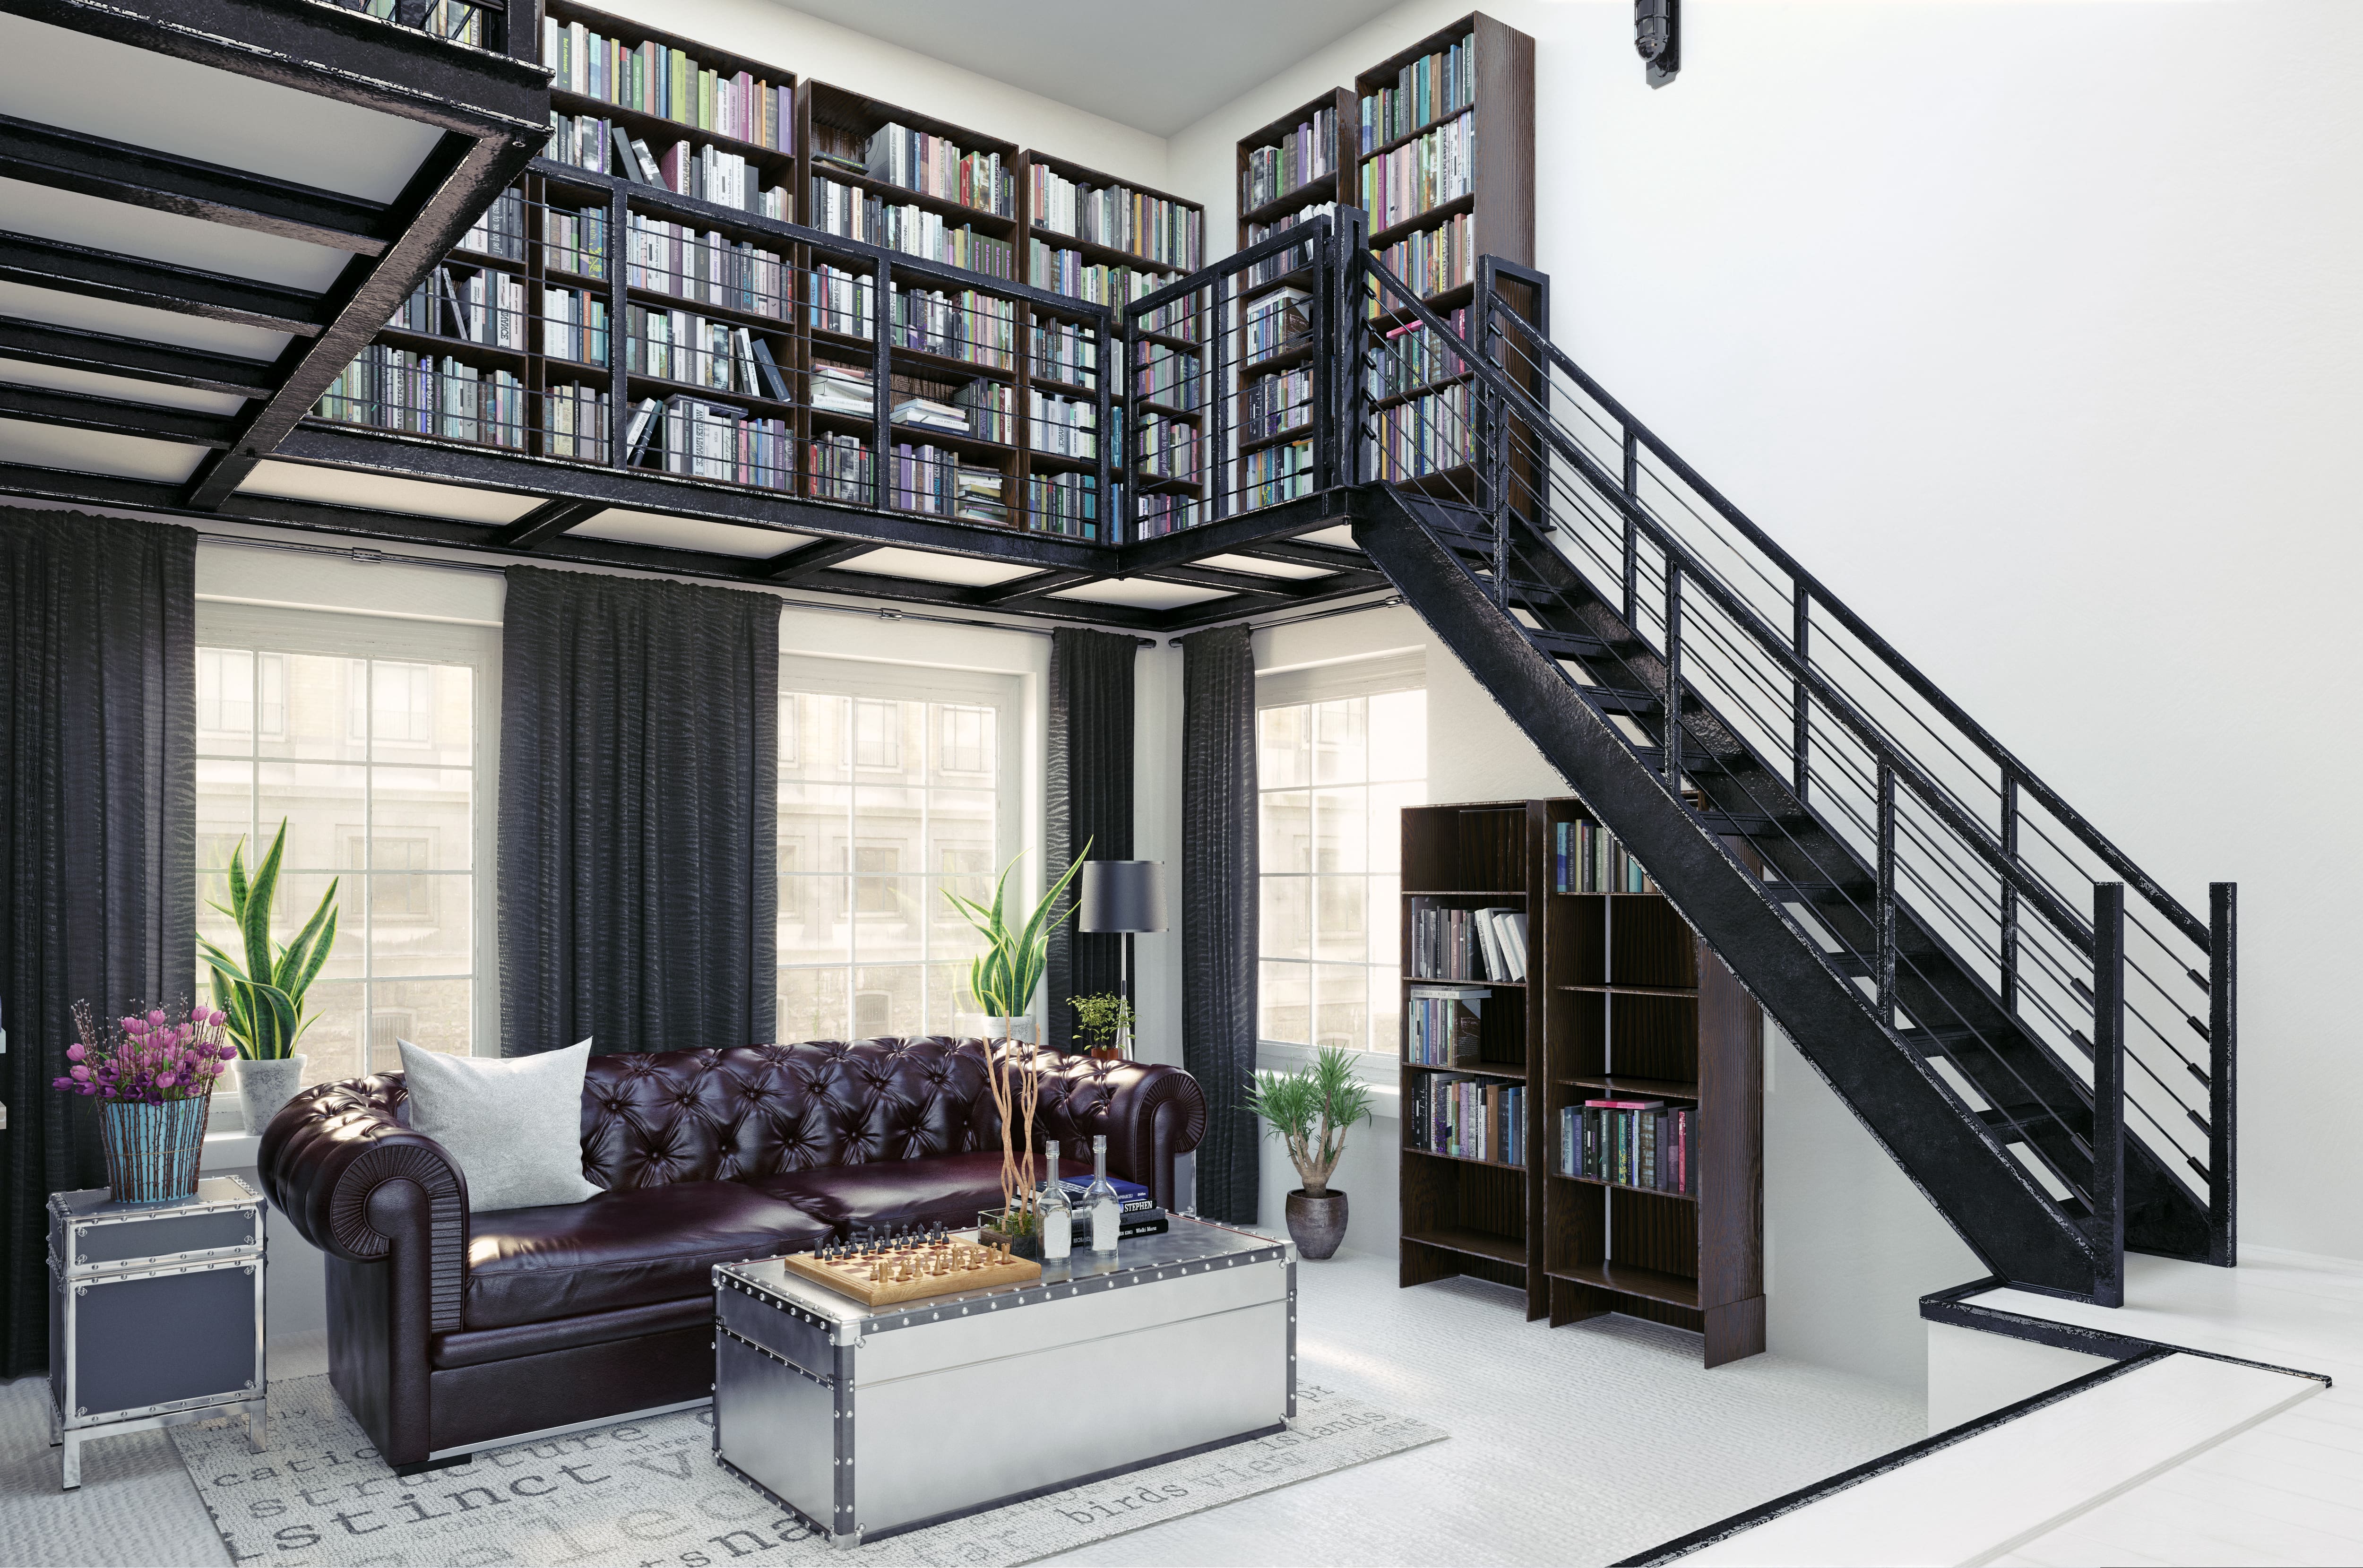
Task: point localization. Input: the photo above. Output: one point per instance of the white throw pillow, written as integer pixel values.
(515, 1125)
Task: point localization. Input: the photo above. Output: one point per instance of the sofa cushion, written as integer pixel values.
(623, 1249)
(951, 1188)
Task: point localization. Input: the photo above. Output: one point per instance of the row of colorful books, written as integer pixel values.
(1280, 263)
(1066, 272)
(854, 214)
(1066, 426)
(475, 306)
(1444, 1027)
(1065, 504)
(1307, 153)
(574, 239)
(1428, 262)
(702, 440)
(1421, 175)
(680, 345)
(1164, 374)
(1275, 324)
(1066, 350)
(943, 483)
(1166, 513)
(1169, 448)
(1414, 356)
(1424, 91)
(1471, 1119)
(934, 166)
(681, 259)
(981, 328)
(1587, 858)
(1632, 1143)
(424, 395)
(706, 173)
(1152, 228)
(1488, 943)
(1428, 434)
(651, 79)
(499, 229)
(1276, 402)
(1272, 475)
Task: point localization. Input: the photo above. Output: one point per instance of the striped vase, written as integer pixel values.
(152, 1151)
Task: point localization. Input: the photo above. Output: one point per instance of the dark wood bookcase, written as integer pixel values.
(1621, 1000)
(1339, 186)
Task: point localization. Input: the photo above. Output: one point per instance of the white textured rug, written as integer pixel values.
(649, 1493)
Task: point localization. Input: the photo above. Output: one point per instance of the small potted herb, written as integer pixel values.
(1310, 1111)
(1103, 1024)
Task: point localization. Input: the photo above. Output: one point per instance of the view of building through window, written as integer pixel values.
(371, 763)
(1334, 778)
(884, 803)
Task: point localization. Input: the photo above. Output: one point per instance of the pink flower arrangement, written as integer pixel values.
(148, 1057)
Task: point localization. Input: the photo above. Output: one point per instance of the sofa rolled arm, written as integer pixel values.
(1152, 1114)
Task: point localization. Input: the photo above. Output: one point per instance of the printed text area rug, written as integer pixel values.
(649, 1494)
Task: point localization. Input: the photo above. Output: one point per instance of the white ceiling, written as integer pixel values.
(1156, 67)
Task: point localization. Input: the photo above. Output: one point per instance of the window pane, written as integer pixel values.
(1280, 743)
(1283, 998)
(1287, 920)
(422, 712)
(950, 937)
(888, 739)
(890, 827)
(1386, 924)
(950, 1009)
(325, 709)
(813, 1005)
(1341, 1005)
(1399, 734)
(331, 1046)
(889, 917)
(432, 1013)
(298, 895)
(1284, 834)
(1340, 831)
(322, 804)
(1386, 1009)
(224, 811)
(225, 701)
(961, 832)
(966, 743)
(1340, 744)
(420, 924)
(822, 751)
(814, 822)
(425, 812)
(814, 928)
(1340, 918)
(886, 1000)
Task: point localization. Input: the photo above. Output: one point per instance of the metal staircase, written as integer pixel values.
(2039, 1034)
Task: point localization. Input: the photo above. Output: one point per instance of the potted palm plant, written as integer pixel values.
(1003, 978)
(263, 997)
(1310, 1111)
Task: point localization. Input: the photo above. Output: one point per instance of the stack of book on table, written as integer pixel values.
(1137, 1212)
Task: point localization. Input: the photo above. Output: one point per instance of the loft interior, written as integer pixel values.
(1619, 967)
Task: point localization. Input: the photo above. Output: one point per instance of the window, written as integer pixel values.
(363, 735)
(1341, 749)
(897, 785)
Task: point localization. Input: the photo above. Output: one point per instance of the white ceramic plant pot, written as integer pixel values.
(263, 1086)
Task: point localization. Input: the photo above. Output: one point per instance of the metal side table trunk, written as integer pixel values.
(155, 1314)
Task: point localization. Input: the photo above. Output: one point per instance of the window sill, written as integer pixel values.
(1377, 1073)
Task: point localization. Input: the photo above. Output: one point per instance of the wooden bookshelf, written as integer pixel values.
(1621, 1000)
(1339, 186)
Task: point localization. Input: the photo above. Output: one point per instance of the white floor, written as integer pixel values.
(1576, 1445)
(2287, 1491)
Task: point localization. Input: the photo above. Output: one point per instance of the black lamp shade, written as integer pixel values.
(1122, 895)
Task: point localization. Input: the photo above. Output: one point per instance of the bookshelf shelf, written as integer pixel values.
(1441, 212)
(1599, 1017)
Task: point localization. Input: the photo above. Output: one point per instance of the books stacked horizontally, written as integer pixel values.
(680, 345)
(574, 240)
(651, 79)
(959, 325)
(574, 326)
(710, 440)
(1470, 1118)
(1443, 1026)
(942, 484)
(396, 389)
(1424, 91)
(842, 302)
(499, 229)
(1064, 504)
(1428, 434)
(1278, 322)
(1307, 153)
(1282, 262)
(1468, 944)
(1162, 515)
(843, 210)
(933, 166)
(1429, 260)
(1274, 474)
(981, 408)
(575, 422)
(841, 388)
(703, 266)
(1067, 425)
(476, 306)
(1152, 228)
(1137, 1211)
(1413, 357)
(1277, 403)
(1631, 1143)
(837, 468)
(1587, 858)
(1421, 175)
(1065, 350)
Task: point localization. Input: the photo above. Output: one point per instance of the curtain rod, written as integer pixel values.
(368, 554)
(1390, 602)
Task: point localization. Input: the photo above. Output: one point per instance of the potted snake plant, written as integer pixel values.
(262, 996)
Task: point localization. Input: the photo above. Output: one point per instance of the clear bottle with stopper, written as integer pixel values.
(1058, 1214)
(1100, 1200)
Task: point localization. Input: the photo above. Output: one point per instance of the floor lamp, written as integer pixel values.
(1121, 897)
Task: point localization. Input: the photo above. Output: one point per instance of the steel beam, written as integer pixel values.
(804, 560)
(1301, 552)
(159, 286)
(115, 416)
(1038, 585)
(119, 172)
(545, 522)
(91, 489)
(108, 354)
(1226, 536)
(1215, 611)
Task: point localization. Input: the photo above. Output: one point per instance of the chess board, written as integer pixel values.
(891, 1271)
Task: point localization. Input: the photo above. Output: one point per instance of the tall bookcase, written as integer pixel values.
(1622, 1001)
(1257, 218)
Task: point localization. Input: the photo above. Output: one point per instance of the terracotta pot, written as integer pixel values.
(1316, 1224)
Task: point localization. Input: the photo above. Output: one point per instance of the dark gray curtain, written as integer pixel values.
(97, 841)
(1218, 911)
(640, 790)
(1089, 790)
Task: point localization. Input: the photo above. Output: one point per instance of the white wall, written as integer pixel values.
(2032, 328)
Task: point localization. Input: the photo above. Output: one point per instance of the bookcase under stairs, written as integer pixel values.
(1614, 998)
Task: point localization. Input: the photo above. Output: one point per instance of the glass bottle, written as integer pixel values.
(1058, 1214)
(1100, 1200)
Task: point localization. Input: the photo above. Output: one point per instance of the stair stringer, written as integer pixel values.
(1989, 1200)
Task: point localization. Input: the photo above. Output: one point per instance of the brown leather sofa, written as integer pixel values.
(450, 1331)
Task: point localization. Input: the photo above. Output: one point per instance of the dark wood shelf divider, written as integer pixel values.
(1623, 1000)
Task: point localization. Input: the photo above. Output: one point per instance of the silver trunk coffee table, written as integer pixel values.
(867, 1423)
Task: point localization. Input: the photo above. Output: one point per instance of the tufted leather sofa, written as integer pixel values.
(450, 1331)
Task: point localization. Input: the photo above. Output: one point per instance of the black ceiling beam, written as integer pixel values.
(545, 522)
(1215, 611)
(1226, 536)
(85, 411)
(647, 490)
(89, 489)
(1039, 585)
(1301, 552)
(159, 286)
(108, 354)
(325, 51)
(93, 165)
(791, 565)
(1190, 577)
